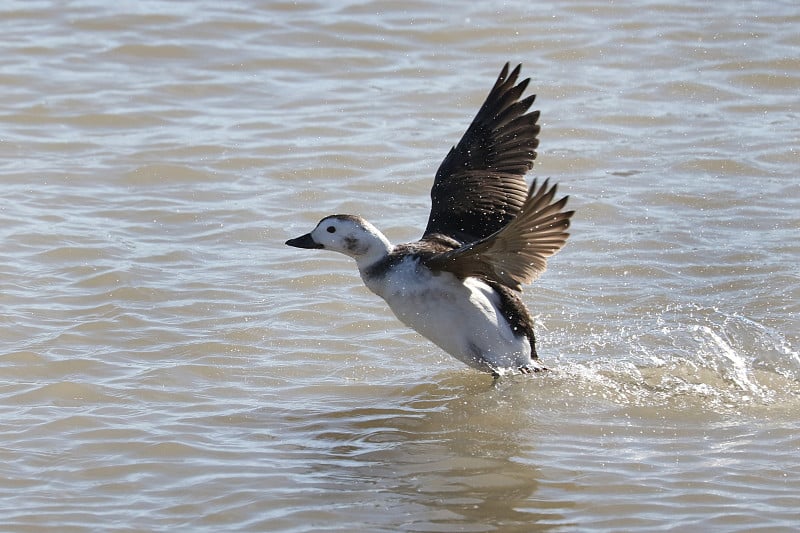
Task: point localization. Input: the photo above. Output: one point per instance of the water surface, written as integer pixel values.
(166, 363)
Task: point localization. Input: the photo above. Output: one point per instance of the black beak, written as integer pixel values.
(304, 241)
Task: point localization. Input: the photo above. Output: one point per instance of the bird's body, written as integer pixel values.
(487, 233)
(438, 304)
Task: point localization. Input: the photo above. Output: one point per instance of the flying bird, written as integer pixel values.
(488, 233)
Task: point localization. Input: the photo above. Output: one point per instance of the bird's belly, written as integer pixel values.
(462, 318)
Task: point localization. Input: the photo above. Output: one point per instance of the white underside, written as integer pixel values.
(462, 318)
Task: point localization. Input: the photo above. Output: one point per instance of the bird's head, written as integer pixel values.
(347, 234)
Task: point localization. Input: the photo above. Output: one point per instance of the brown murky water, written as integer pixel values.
(166, 363)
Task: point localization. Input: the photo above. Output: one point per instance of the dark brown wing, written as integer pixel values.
(518, 252)
(480, 186)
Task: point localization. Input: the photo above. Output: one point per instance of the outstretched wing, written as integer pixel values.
(480, 186)
(518, 252)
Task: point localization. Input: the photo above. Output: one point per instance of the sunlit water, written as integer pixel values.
(166, 363)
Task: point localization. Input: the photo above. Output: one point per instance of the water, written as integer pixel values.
(168, 364)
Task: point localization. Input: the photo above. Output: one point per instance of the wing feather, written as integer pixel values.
(517, 253)
(480, 186)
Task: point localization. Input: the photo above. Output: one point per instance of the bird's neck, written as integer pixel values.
(379, 248)
(371, 264)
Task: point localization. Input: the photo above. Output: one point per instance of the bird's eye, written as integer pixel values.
(331, 229)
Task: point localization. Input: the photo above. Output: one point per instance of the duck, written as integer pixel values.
(488, 233)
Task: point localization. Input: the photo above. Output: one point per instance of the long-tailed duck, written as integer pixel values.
(488, 233)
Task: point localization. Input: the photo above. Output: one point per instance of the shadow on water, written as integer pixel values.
(439, 456)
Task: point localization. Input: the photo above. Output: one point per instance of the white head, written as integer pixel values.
(347, 234)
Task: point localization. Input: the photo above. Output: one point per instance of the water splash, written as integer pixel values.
(684, 355)
(723, 358)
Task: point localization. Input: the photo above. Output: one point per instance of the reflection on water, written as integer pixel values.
(166, 363)
(442, 459)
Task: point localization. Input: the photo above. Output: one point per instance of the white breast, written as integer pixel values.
(461, 317)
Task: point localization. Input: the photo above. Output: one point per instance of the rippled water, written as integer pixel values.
(166, 363)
